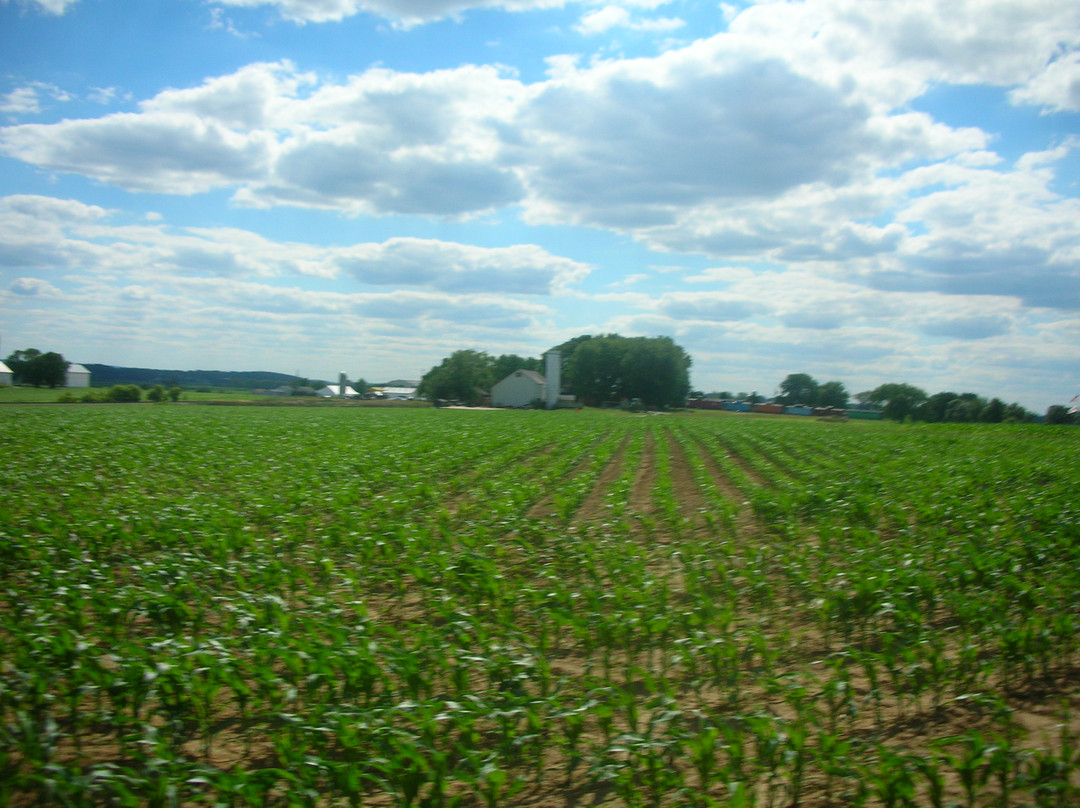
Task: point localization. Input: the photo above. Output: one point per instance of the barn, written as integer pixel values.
(5, 374)
(77, 376)
(521, 388)
(335, 391)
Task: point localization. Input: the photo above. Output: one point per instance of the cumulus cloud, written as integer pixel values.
(1056, 88)
(521, 269)
(784, 139)
(47, 233)
(178, 153)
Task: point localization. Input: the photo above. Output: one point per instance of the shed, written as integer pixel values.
(520, 389)
(5, 374)
(77, 376)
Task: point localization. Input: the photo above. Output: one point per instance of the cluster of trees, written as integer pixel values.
(654, 370)
(904, 401)
(38, 369)
(801, 388)
(597, 369)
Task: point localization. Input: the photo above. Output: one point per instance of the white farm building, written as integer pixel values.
(334, 391)
(521, 388)
(5, 374)
(77, 376)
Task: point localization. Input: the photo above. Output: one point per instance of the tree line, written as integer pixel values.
(900, 402)
(595, 369)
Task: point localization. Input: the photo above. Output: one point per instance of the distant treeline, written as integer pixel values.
(108, 375)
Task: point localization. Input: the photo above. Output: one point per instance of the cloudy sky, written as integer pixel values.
(864, 190)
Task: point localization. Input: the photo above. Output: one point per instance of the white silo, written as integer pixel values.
(553, 374)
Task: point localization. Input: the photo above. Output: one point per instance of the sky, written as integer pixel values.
(866, 191)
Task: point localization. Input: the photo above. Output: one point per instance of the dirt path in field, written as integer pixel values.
(641, 499)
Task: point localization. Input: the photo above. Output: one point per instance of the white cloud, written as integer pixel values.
(1057, 88)
(522, 269)
(21, 101)
(34, 287)
(603, 19)
(57, 7)
(613, 16)
(55, 234)
(26, 100)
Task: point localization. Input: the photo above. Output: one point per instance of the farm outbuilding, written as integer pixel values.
(521, 388)
(5, 374)
(77, 376)
(399, 393)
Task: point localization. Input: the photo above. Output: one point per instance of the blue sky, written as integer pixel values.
(861, 190)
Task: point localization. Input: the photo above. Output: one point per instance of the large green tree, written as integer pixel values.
(832, 394)
(612, 367)
(39, 369)
(798, 388)
(897, 400)
(463, 376)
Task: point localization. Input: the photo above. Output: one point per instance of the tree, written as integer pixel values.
(39, 369)
(360, 386)
(832, 394)
(993, 412)
(1057, 414)
(1015, 413)
(798, 388)
(593, 372)
(458, 377)
(933, 409)
(609, 368)
(656, 371)
(897, 401)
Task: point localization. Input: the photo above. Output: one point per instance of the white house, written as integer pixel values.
(334, 391)
(520, 389)
(77, 376)
(5, 374)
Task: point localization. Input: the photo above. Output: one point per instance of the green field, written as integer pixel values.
(417, 607)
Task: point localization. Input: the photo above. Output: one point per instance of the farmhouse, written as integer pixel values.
(77, 376)
(5, 374)
(520, 389)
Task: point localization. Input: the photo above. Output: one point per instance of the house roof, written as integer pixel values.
(76, 368)
(4, 368)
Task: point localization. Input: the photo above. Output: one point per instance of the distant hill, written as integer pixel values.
(108, 375)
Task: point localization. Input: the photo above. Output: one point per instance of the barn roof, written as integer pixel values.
(531, 374)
